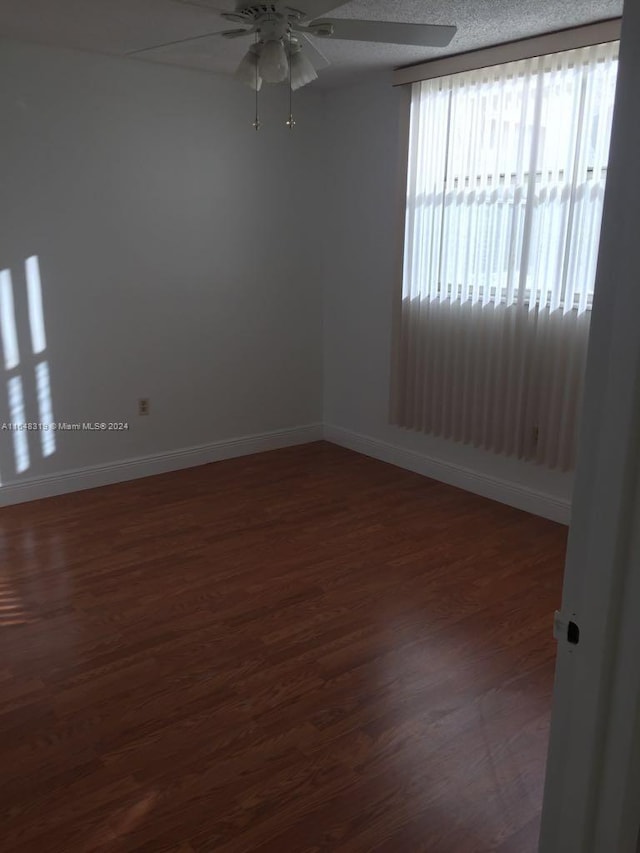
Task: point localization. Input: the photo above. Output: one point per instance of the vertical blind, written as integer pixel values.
(506, 177)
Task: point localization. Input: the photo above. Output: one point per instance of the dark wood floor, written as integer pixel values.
(304, 650)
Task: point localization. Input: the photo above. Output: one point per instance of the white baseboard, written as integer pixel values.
(504, 491)
(513, 494)
(146, 466)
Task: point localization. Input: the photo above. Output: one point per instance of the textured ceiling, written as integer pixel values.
(121, 26)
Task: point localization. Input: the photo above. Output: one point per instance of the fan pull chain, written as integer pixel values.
(291, 123)
(257, 123)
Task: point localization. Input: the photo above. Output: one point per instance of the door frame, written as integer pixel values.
(592, 787)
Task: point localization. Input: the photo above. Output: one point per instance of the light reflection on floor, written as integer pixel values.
(121, 823)
(35, 585)
(12, 609)
(429, 666)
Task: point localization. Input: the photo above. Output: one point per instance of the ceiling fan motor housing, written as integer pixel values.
(270, 20)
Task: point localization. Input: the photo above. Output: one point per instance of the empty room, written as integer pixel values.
(318, 426)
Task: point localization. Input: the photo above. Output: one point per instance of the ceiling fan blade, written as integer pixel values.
(234, 34)
(426, 35)
(313, 52)
(225, 33)
(313, 8)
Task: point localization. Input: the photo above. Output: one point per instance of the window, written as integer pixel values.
(506, 178)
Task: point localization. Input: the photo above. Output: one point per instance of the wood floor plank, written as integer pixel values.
(300, 651)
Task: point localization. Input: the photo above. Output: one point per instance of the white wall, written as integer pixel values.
(362, 236)
(184, 258)
(172, 266)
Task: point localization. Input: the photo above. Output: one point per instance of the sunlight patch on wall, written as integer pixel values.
(20, 375)
(8, 322)
(39, 345)
(34, 299)
(18, 416)
(45, 411)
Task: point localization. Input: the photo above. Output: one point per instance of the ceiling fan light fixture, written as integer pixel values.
(302, 71)
(246, 71)
(324, 29)
(273, 64)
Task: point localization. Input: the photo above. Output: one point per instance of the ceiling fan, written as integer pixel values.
(280, 31)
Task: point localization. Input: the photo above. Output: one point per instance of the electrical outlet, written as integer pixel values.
(143, 406)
